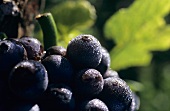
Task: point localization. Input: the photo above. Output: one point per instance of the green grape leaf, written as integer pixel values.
(137, 31)
(71, 15)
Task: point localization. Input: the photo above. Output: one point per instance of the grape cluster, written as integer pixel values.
(76, 78)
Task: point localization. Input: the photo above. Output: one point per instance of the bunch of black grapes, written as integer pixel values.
(76, 78)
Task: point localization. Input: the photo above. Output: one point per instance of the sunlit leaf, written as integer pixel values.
(137, 31)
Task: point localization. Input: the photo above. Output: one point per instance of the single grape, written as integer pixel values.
(116, 94)
(88, 83)
(55, 50)
(84, 51)
(58, 97)
(11, 53)
(93, 105)
(33, 47)
(110, 73)
(59, 69)
(28, 79)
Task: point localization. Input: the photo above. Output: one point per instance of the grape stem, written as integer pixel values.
(49, 29)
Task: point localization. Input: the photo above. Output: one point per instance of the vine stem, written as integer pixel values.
(49, 29)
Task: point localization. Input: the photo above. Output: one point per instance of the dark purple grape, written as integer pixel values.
(33, 47)
(59, 69)
(28, 79)
(88, 83)
(116, 94)
(58, 97)
(110, 73)
(84, 51)
(55, 50)
(93, 105)
(11, 53)
(105, 61)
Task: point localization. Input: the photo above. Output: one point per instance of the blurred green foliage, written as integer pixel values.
(156, 81)
(137, 31)
(71, 15)
(134, 32)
